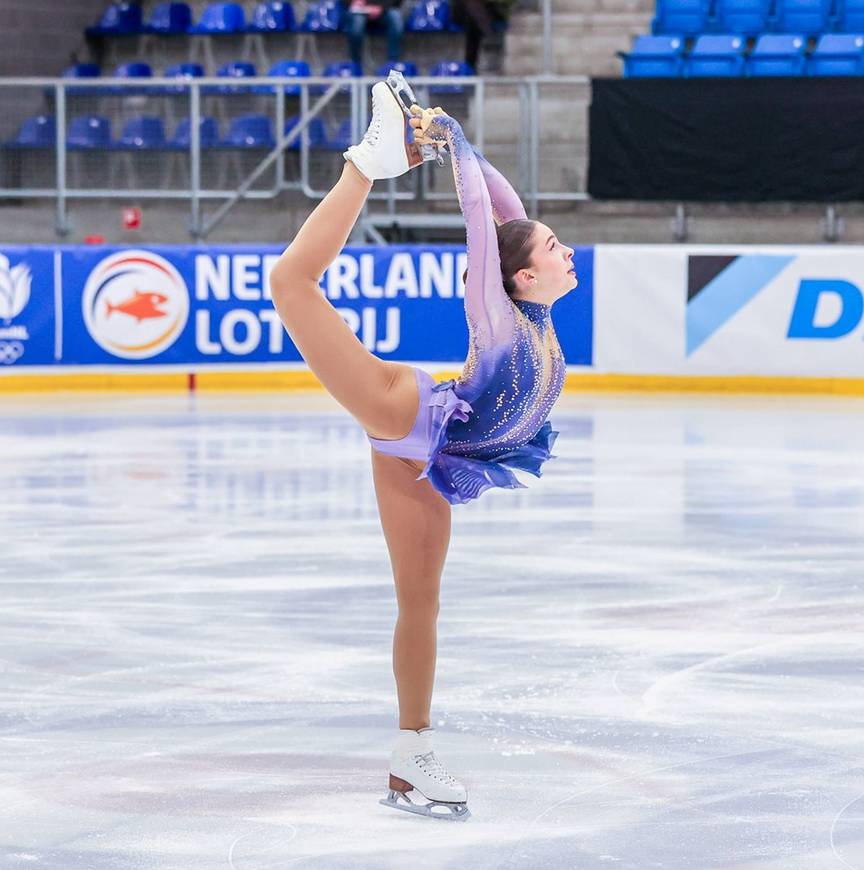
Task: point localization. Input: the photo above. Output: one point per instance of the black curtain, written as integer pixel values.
(727, 140)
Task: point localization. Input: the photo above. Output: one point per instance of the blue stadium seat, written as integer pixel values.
(181, 71)
(220, 18)
(323, 16)
(654, 57)
(137, 69)
(850, 16)
(81, 71)
(236, 69)
(88, 132)
(720, 55)
(450, 68)
(170, 18)
(208, 133)
(744, 17)
(429, 16)
(272, 17)
(778, 54)
(837, 54)
(341, 69)
(289, 69)
(316, 132)
(134, 70)
(404, 66)
(119, 19)
(39, 131)
(250, 131)
(803, 16)
(685, 17)
(142, 133)
(342, 138)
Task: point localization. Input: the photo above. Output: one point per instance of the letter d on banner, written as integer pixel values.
(810, 291)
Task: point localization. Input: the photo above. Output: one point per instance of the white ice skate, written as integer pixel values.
(419, 783)
(388, 148)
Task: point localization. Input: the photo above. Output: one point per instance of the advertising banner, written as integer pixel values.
(710, 310)
(195, 306)
(28, 308)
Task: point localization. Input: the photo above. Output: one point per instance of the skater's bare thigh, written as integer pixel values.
(415, 519)
(381, 395)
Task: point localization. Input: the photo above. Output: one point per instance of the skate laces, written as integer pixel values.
(429, 763)
(374, 129)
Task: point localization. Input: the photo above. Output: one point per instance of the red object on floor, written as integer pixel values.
(94, 239)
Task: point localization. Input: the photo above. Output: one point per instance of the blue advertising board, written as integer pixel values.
(175, 305)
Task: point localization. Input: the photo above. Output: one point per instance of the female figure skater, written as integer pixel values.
(462, 436)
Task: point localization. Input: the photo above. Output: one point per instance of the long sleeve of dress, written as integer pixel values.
(506, 205)
(488, 308)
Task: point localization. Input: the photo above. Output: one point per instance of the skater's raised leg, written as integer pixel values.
(381, 395)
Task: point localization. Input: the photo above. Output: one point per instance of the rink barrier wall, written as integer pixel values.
(305, 381)
(643, 317)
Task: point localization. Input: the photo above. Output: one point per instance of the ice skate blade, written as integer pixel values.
(397, 84)
(451, 812)
(404, 95)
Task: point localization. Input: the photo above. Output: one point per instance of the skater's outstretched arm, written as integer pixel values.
(488, 308)
(506, 205)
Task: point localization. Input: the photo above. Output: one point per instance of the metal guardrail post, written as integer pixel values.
(280, 137)
(480, 103)
(547, 38)
(304, 140)
(524, 178)
(195, 158)
(61, 222)
(534, 142)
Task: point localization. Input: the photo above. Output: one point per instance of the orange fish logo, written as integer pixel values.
(141, 306)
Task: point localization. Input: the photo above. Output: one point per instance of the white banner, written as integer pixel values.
(730, 310)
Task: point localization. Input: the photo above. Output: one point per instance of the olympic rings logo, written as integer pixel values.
(10, 352)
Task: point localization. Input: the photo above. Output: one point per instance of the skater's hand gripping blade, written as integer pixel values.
(403, 94)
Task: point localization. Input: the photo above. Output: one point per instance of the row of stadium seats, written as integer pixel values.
(167, 19)
(289, 69)
(754, 17)
(784, 54)
(147, 132)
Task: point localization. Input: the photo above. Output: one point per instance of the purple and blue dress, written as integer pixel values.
(472, 431)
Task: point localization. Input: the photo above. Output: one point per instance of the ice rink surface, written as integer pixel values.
(653, 657)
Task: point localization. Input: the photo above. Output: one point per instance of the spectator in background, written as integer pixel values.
(360, 13)
(480, 18)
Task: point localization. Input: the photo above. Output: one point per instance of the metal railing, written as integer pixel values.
(184, 99)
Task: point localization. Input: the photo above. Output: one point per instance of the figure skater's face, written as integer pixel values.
(551, 274)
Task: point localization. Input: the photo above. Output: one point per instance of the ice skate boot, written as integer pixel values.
(419, 783)
(405, 95)
(388, 148)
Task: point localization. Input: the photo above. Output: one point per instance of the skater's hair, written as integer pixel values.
(514, 250)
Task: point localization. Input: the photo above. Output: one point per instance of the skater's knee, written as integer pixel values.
(418, 600)
(290, 275)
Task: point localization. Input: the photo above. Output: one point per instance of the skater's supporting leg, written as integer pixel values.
(381, 395)
(416, 524)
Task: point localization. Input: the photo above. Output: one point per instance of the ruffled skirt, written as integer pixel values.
(461, 479)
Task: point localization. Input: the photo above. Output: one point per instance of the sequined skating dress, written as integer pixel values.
(472, 431)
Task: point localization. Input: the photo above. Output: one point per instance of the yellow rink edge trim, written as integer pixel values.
(206, 381)
(579, 382)
(168, 382)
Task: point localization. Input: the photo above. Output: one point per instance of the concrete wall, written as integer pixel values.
(39, 39)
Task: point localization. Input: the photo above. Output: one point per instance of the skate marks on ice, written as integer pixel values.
(650, 658)
(250, 850)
